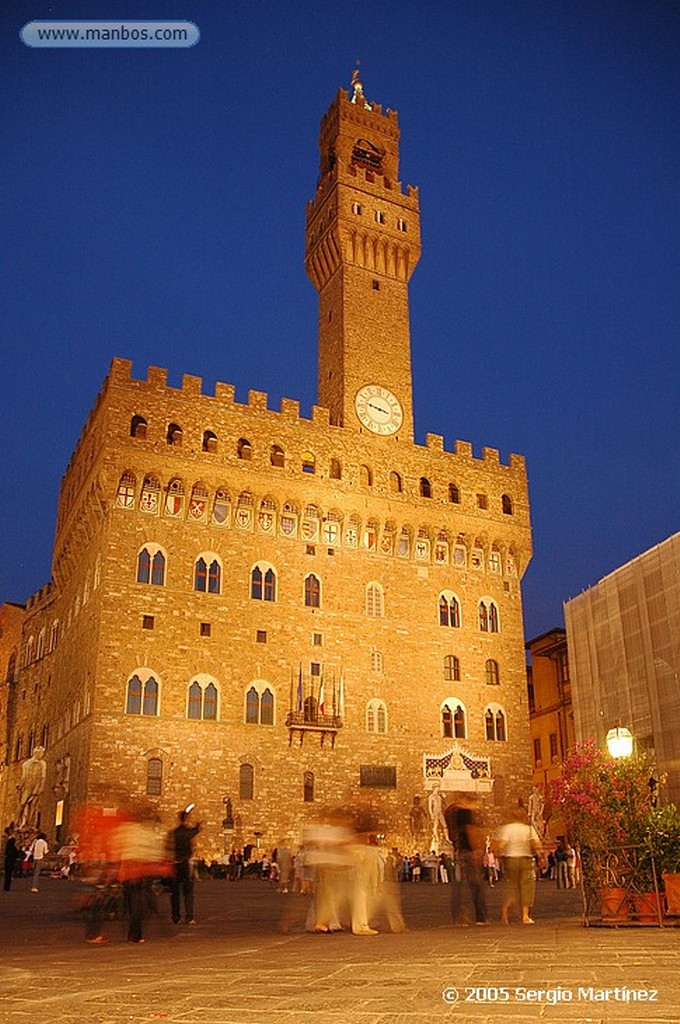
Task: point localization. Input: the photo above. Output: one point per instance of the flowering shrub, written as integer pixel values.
(604, 802)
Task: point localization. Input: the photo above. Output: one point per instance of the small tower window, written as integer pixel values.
(425, 487)
(506, 504)
(357, 209)
(174, 435)
(276, 456)
(138, 427)
(244, 449)
(209, 441)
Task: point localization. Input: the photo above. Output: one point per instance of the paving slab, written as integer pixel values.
(237, 966)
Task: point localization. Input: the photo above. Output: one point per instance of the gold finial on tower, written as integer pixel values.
(358, 89)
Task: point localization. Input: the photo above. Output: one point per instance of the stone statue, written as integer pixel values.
(535, 810)
(31, 785)
(435, 805)
(416, 817)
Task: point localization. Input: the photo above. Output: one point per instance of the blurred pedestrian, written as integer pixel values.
(468, 839)
(38, 850)
(519, 843)
(181, 845)
(10, 857)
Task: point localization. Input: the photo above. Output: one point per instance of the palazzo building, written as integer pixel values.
(271, 615)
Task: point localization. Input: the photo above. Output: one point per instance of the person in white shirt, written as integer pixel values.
(519, 842)
(39, 850)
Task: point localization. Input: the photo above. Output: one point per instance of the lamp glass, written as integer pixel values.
(620, 742)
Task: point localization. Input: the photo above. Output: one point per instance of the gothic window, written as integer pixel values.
(376, 717)
(365, 476)
(375, 601)
(263, 582)
(40, 649)
(491, 672)
(142, 695)
(454, 494)
(154, 776)
(506, 504)
(208, 574)
(425, 487)
(494, 724)
(259, 705)
(276, 456)
(312, 591)
(174, 436)
(376, 661)
(138, 427)
(308, 462)
(396, 484)
(488, 616)
(453, 718)
(125, 497)
(244, 449)
(209, 441)
(335, 470)
(451, 668)
(151, 566)
(308, 787)
(246, 782)
(202, 701)
(449, 609)
(28, 653)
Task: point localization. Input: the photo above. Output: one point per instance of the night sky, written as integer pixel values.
(153, 204)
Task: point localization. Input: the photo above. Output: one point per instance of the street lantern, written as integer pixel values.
(620, 742)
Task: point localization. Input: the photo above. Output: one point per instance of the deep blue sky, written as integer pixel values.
(152, 206)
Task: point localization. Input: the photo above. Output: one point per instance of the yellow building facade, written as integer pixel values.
(272, 615)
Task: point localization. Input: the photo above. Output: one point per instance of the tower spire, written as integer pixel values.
(358, 97)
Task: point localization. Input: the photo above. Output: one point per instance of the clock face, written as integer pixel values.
(378, 409)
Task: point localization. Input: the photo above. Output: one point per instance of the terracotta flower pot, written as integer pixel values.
(648, 907)
(671, 884)
(614, 905)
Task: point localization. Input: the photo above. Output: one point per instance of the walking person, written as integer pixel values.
(467, 837)
(519, 843)
(181, 849)
(39, 850)
(10, 857)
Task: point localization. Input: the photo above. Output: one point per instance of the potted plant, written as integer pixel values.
(608, 808)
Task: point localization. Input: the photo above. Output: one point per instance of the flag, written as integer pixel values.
(341, 697)
(322, 705)
(299, 690)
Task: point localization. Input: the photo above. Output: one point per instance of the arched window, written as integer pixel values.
(244, 449)
(451, 668)
(375, 601)
(308, 462)
(276, 456)
(453, 717)
(506, 504)
(142, 694)
(308, 787)
(449, 609)
(454, 494)
(174, 436)
(246, 782)
(494, 723)
(154, 776)
(207, 574)
(376, 661)
(376, 716)
(488, 616)
(209, 441)
(151, 566)
(259, 705)
(396, 484)
(335, 470)
(202, 700)
(138, 427)
(365, 476)
(263, 583)
(40, 648)
(425, 487)
(491, 672)
(312, 591)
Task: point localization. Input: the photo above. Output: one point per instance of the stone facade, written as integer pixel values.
(217, 564)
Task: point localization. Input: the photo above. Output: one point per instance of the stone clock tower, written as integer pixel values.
(362, 244)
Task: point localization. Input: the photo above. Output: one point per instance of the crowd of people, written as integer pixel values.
(124, 863)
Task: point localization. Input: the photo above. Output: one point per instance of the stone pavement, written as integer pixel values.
(237, 967)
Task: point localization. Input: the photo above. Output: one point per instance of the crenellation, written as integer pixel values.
(463, 449)
(491, 455)
(434, 441)
(321, 416)
(290, 409)
(257, 401)
(157, 377)
(225, 393)
(192, 386)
